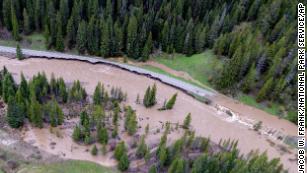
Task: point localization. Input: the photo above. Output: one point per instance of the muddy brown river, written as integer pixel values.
(207, 120)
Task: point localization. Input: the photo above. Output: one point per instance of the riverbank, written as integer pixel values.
(205, 118)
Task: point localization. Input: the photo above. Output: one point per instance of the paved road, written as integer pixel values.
(184, 86)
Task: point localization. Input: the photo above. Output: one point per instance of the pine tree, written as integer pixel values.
(71, 33)
(62, 90)
(26, 22)
(76, 135)
(170, 104)
(6, 10)
(8, 87)
(19, 54)
(59, 36)
(132, 124)
(152, 169)
(249, 80)
(264, 91)
(64, 13)
(147, 48)
(152, 97)
(142, 148)
(120, 150)
(118, 39)
(165, 36)
(105, 39)
(36, 114)
(15, 116)
(146, 97)
(94, 150)
(132, 49)
(187, 121)
(124, 162)
(93, 36)
(177, 166)
(98, 94)
(15, 24)
(47, 36)
(23, 86)
(102, 135)
(81, 38)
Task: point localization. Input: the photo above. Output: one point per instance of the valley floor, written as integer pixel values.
(207, 120)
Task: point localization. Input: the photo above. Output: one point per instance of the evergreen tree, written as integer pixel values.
(36, 116)
(124, 162)
(15, 24)
(132, 49)
(19, 54)
(93, 36)
(187, 121)
(142, 148)
(26, 22)
(147, 48)
(98, 94)
(8, 87)
(62, 90)
(102, 135)
(152, 97)
(130, 121)
(64, 13)
(71, 33)
(152, 169)
(171, 102)
(249, 80)
(120, 150)
(15, 116)
(264, 91)
(94, 150)
(23, 87)
(146, 97)
(177, 166)
(105, 39)
(6, 10)
(81, 37)
(77, 134)
(59, 36)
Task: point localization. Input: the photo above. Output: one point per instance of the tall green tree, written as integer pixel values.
(15, 24)
(81, 37)
(147, 48)
(132, 49)
(26, 22)
(170, 104)
(19, 54)
(59, 37)
(15, 116)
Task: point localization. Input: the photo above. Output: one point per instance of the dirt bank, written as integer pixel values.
(206, 120)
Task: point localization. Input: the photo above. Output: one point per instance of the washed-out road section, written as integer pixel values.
(186, 87)
(207, 120)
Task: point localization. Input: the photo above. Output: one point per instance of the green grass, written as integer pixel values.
(202, 67)
(34, 41)
(273, 109)
(72, 166)
(198, 66)
(160, 71)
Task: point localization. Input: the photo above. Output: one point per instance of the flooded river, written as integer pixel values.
(206, 120)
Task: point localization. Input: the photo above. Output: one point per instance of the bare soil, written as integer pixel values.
(212, 121)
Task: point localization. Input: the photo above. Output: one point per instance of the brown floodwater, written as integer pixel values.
(207, 120)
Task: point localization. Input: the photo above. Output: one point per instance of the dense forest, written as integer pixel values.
(255, 38)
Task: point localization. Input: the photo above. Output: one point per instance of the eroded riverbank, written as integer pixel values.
(206, 119)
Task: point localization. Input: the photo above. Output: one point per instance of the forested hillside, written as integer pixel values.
(255, 38)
